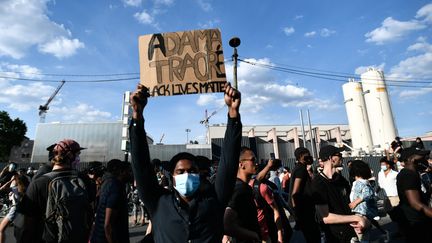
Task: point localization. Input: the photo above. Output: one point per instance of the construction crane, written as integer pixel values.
(44, 108)
(206, 119)
(162, 137)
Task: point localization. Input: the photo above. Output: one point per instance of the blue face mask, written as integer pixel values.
(187, 184)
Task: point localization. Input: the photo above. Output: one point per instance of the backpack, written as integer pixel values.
(68, 212)
(268, 211)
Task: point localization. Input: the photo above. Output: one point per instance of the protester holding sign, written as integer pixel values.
(185, 213)
(178, 63)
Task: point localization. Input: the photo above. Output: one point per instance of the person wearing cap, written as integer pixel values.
(387, 182)
(33, 205)
(330, 192)
(416, 220)
(300, 197)
(185, 213)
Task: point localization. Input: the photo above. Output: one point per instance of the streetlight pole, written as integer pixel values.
(234, 43)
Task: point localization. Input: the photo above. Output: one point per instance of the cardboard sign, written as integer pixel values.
(179, 63)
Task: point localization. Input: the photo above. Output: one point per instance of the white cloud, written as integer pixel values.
(144, 17)
(327, 32)
(421, 46)
(260, 89)
(80, 112)
(362, 69)
(22, 97)
(27, 25)
(61, 47)
(205, 5)
(418, 66)
(297, 17)
(132, 3)
(209, 99)
(425, 12)
(288, 31)
(164, 2)
(407, 94)
(392, 30)
(209, 24)
(310, 34)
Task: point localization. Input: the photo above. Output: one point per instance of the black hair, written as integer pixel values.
(361, 169)
(183, 155)
(203, 162)
(96, 168)
(116, 166)
(299, 152)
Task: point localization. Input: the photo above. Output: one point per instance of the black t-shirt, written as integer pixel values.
(303, 197)
(242, 201)
(334, 193)
(409, 180)
(112, 195)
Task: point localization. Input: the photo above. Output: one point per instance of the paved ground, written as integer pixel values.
(136, 233)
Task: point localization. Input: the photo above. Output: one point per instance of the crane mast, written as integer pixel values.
(44, 108)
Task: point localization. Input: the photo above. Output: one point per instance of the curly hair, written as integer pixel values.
(361, 169)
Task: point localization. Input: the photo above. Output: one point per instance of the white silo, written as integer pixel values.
(357, 117)
(380, 114)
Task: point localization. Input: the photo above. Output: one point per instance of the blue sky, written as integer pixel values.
(101, 37)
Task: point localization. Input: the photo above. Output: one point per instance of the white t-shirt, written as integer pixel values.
(388, 183)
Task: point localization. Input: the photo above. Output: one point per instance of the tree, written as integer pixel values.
(11, 134)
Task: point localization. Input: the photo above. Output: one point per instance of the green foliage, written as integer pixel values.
(11, 133)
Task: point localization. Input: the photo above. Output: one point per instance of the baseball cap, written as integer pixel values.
(329, 150)
(67, 145)
(408, 152)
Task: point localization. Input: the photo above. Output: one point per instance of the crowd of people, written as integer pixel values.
(192, 199)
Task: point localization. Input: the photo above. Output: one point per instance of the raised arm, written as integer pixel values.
(228, 165)
(147, 184)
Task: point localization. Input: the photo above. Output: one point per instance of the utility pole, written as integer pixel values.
(187, 135)
(302, 127)
(234, 43)
(312, 137)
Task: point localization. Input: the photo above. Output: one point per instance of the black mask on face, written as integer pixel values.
(308, 159)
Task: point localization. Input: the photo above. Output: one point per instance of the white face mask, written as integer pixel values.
(384, 167)
(186, 184)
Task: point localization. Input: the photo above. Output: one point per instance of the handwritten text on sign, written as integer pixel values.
(178, 63)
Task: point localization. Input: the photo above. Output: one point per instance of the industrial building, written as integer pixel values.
(282, 140)
(104, 140)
